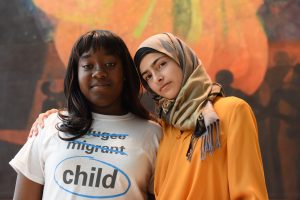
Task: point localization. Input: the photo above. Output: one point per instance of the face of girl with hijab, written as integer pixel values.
(162, 74)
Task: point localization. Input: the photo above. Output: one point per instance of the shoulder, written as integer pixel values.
(229, 104)
(149, 127)
(153, 125)
(146, 123)
(153, 128)
(51, 121)
(49, 130)
(233, 108)
(52, 118)
(230, 100)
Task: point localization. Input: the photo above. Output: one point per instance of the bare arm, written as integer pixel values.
(26, 189)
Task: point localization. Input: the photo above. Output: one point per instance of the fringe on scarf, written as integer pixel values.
(206, 135)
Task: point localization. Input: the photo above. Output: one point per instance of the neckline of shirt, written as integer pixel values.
(112, 117)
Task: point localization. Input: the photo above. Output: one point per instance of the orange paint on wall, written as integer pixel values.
(234, 40)
(230, 34)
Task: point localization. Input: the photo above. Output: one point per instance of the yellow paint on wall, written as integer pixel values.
(197, 21)
(144, 20)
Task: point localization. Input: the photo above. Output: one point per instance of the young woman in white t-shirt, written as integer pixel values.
(104, 144)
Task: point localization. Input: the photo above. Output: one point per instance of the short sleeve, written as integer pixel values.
(30, 160)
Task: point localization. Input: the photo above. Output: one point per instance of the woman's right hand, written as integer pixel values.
(39, 122)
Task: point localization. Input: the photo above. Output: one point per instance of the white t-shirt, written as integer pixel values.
(115, 160)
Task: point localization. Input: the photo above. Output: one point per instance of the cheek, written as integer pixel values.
(80, 74)
(179, 76)
(81, 78)
(83, 81)
(153, 87)
(119, 79)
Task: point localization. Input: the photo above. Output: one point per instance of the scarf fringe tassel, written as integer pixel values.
(207, 142)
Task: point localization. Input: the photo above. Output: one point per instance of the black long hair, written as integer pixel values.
(78, 119)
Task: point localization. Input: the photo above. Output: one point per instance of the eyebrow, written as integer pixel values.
(153, 64)
(85, 55)
(88, 55)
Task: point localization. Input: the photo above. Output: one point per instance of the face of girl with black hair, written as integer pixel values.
(100, 77)
(162, 74)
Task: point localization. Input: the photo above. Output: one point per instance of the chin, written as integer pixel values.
(170, 96)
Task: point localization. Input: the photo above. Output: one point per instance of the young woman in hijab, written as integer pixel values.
(209, 148)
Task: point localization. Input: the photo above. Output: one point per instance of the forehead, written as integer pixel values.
(150, 59)
(101, 52)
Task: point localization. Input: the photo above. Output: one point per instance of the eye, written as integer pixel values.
(147, 77)
(110, 65)
(162, 64)
(87, 67)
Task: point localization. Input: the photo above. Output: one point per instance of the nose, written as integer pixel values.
(99, 72)
(159, 78)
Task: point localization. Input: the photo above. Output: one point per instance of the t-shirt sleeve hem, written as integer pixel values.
(19, 168)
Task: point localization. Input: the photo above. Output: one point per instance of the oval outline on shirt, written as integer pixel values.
(90, 196)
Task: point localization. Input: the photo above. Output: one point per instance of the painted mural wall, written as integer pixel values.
(252, 47)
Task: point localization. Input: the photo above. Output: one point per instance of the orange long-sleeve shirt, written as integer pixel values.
(234, 171)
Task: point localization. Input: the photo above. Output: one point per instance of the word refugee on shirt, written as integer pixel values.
(89, 148)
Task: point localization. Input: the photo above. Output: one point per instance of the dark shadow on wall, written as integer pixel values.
(22, 53)
(279, 119)
(7, 174)
(271, 114)
(53, 99)
(24, 56)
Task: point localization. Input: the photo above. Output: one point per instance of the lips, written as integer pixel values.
(164, 86)
(100, 84)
